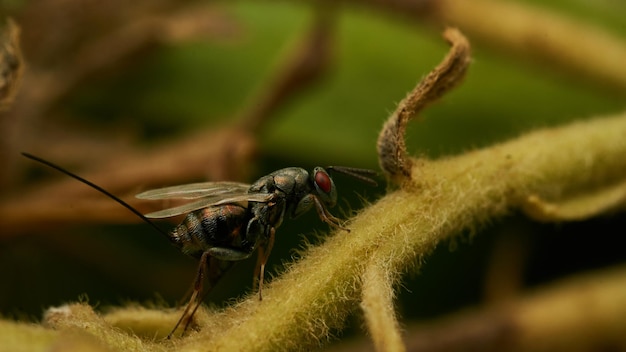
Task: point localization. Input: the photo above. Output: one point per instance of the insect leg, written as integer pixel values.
(264, 253)
(197, 287)
(229, 254)
(326, 216)
(215, 269)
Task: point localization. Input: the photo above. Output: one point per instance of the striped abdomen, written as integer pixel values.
(218, 226)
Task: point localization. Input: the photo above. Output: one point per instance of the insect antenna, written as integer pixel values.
(98, 188)
(360, 174)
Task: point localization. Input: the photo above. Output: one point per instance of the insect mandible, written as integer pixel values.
(226, 221)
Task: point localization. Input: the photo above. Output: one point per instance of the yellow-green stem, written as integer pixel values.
(301, 308)
(447, 197)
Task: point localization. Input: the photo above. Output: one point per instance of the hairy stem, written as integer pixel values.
(305, 305)
(377, 305)
(453, 194)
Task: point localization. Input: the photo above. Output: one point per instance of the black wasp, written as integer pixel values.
(226, 221)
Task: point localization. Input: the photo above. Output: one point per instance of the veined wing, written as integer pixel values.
(212, 200)
(196, 190)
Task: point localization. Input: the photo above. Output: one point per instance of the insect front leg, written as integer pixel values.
(262, 229)
(325, 215)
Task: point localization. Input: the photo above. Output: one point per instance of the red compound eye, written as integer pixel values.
(323, 181)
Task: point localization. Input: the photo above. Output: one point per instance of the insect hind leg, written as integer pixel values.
(229, 254)
(193, 300)
(210, 269)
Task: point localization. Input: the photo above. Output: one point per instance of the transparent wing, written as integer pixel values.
(196, 190)
(212, 200)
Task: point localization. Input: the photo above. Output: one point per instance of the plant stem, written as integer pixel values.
(451, 195)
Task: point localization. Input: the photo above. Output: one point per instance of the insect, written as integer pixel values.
(226, 222)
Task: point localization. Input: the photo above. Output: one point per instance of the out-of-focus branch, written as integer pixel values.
(119, 48)
(68, 45)
(305, 66)
(11, 63)
(221, 154)
(579, 49)
(11, 68)
(583, 313)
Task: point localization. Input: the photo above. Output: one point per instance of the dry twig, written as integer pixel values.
(393, 157)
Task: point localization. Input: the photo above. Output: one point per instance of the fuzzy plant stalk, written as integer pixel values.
(449, 197)
(436, 200)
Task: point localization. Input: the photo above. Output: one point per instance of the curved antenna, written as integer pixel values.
(98, 188)
(360, 174)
